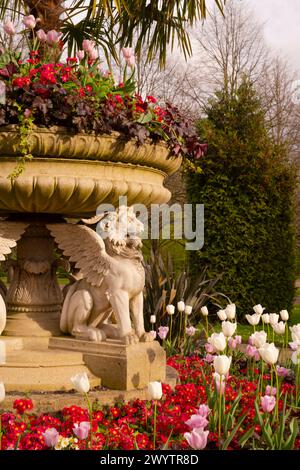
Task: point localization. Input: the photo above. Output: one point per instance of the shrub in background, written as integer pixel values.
(247, 186)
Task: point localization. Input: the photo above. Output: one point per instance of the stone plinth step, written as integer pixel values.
(43, 358)
(52, 402)
(120, 366)
(43, 371)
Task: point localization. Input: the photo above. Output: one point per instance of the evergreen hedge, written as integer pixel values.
(247, 188)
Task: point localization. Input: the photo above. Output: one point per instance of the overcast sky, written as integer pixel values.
(281, 20)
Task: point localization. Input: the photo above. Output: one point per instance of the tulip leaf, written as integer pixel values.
(233, 433)
(243, 440)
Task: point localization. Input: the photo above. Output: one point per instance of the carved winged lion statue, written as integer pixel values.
(10, 233)
(110, 277)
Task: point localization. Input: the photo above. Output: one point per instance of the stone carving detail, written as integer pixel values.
(72, 174)
(10, 233)
(110, 281)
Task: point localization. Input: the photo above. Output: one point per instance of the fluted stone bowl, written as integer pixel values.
(71, 174)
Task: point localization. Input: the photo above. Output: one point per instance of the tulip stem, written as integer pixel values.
(262, 375)
(297, 383)
(277, 393)
(220, 406)
(180, 330)
(171, 324)
(154, 424)
(90, 410)
(286, 335)
(206, 323)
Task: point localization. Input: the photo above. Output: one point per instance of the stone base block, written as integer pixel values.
(29, 366)
(120, 367)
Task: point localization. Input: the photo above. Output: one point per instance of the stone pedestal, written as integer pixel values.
(29, 366)
(120, 367)
(34, 297)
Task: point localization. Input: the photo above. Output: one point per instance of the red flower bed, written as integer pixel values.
(129, 426)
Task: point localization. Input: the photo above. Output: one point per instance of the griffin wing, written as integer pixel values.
(83, 247)
(10, 233)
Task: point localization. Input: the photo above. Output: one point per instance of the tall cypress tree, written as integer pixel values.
(247, 188)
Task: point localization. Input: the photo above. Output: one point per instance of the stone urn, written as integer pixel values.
(69, 176)
(72, 174)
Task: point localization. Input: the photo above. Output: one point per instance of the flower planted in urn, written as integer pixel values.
(45, 91)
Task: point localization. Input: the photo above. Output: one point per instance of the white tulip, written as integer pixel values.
(258, 309)
(181, 306)
(230, 311)
(222, 315)
(253, 319)
(81, 383)
(269, 353)
(152, 319)
(284, 315)
(228, 328)
(218, 341)
(274, 317)
(259, 338)
(279, 328)
(170, 309)
(204, 311)
(295, 332)
(222, 364)
(2, 392)
(155, 390)
(188, 309)
(296, 357)
(265, 318)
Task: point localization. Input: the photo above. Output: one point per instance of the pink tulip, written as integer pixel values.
(163, 332)
(256, 356)
(282, 371)
(209, 358)
(232, 343)
(93, 54)
(197, 439)
(29, 21)
(82, 430)
(88, 45)
(209, 348)
(9, 28)
(270, 390)
(80, 54)
(197, 421)
(130, 62)
(294, 345)
(250, 341)
(127, 52)
(41, 35)
(267, 403)
(50, 437)
(190, 330)
(251, 350)
(53, 37)
(203, 410)
(238, 339)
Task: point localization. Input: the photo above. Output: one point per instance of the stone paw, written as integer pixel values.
(91, 334)
(147, 337)
(131, 338)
